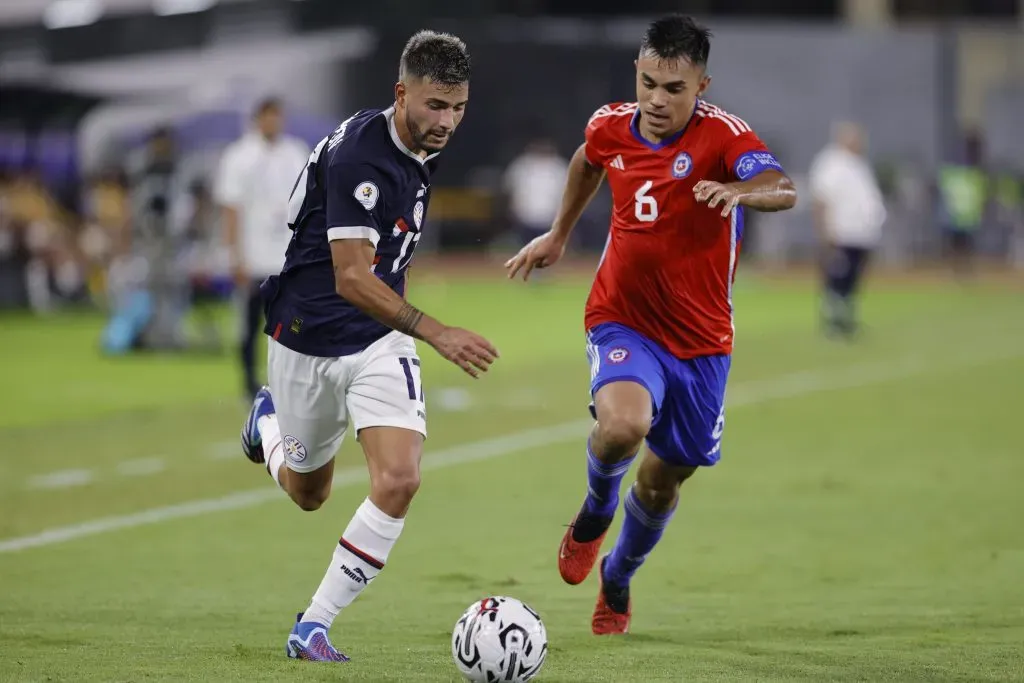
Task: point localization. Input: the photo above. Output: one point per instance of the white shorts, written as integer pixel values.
(317, 398)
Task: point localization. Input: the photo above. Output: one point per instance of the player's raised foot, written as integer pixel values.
(614, 609)
(580, 546)
(252, 441)
(309, 641)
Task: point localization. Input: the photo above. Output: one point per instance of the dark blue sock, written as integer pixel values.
(603, 482)
(641, 531)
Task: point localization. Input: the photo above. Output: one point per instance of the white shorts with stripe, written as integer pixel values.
(317, 398)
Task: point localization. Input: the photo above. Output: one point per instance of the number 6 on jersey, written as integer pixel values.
(646, 207)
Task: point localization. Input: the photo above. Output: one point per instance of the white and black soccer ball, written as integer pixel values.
(499, 639)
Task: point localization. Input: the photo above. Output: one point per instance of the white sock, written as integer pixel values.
(273, 451)
(358, 558)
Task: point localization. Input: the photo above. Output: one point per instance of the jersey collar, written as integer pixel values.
(389, 115)
(634, 126)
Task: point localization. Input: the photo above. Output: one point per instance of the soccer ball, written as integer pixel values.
(499, 639)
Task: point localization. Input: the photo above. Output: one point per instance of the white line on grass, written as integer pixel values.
(745, 394)
(61, 479)
(479, 450)
(141, 467)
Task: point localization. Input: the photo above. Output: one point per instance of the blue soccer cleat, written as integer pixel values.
(309, 641)
(252, 441)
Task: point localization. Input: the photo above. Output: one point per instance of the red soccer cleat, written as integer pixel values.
(575, 559)
(613, 610)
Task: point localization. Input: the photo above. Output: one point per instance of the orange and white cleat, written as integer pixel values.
(613, 610)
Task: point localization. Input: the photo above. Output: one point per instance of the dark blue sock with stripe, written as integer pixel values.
(641, 531)
(603, 483)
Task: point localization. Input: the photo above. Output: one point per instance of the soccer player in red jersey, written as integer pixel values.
(659, 318)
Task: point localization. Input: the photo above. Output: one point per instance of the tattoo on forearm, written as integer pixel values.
(408, 318)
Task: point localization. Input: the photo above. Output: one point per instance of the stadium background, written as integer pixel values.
(864, 524)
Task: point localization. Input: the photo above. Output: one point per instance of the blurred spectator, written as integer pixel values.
(963, 189)
(106, 222)
(38, 242)
(158, 241)
(848, 214)
(13, 256)
(207, 263)
(256, 176)
(1008, 214)
(534, 182)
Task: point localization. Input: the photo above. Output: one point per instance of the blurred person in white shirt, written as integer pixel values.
(256, 176)
(533, 182)
(849, 212)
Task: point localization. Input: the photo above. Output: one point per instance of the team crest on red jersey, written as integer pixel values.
(682, 165)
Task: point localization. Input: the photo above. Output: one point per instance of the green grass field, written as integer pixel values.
(865, 523)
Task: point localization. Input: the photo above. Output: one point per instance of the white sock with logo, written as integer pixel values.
(273, 446)
(358, 558)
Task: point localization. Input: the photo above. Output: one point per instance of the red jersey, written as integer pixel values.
(669, 264)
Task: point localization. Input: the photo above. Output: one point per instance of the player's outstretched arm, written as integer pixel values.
(767, 191)
(356, 283)
(581, 185)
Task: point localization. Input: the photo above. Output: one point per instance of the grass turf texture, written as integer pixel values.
(864, 524)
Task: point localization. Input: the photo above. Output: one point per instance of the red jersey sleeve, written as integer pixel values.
(745, 155)
(597, 134)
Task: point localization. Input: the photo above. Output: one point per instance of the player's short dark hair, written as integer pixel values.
(441, 57)
(268, 105)
(677, 36)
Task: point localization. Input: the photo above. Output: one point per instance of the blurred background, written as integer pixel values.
(85, 82)
(867, 506)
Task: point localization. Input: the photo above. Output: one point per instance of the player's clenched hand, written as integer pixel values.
(468, 350)
(717, 193)
(541, 252)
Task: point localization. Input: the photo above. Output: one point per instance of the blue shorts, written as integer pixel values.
(688, 395)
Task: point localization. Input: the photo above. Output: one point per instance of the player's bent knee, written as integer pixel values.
(398, 484)
(310, 501)
(624, 429)
(308, 490)
(624, 414)
(393, 456)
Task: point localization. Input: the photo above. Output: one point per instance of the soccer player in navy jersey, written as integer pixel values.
(341, 349)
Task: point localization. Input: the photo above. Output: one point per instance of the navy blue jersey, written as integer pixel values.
(361, 183)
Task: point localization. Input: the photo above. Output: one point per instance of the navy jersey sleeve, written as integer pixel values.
(356, 195)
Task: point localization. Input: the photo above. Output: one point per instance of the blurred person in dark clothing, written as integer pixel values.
(159, 241)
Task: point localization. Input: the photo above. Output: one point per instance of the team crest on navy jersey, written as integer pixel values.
(682, 165)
